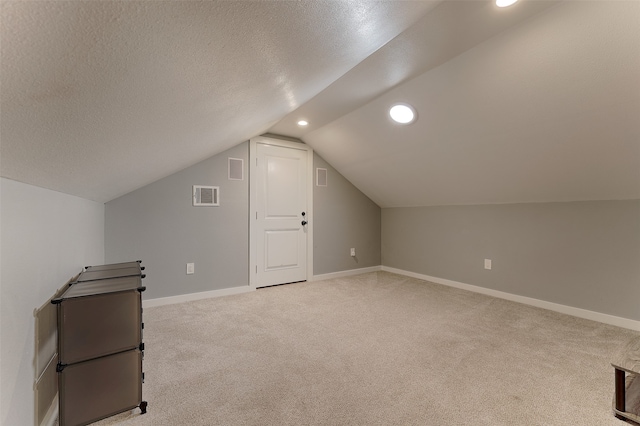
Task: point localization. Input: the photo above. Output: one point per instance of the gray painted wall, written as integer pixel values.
(580, 254)
(159, 225)
(343, 218)
(47, 237)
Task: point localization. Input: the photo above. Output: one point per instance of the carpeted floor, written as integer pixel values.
(374, 349)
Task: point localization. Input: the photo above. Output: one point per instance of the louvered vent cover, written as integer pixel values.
(206, 195)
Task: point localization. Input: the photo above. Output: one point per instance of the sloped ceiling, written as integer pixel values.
(537, 102)
(101, 97)
(545, 111)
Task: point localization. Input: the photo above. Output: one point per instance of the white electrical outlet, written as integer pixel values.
(353, 252)
(190, 268)
(487, 264)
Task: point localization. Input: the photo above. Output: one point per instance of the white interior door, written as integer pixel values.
(280, 218)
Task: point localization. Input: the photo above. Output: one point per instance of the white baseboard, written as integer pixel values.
(346, 273)
(149, 303)
(569, 310)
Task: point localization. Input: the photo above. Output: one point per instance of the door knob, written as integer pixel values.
(304, 222)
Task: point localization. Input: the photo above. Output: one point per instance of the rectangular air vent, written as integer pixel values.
(236, 168)
(321, 177)
(206, 195)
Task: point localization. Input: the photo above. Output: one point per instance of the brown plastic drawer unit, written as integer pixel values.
(99, 388)
(99, 318)
(100, 347)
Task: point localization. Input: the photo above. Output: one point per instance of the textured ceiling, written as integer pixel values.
(100, 98)
(548, 110)
(537, 102)
(445, 32)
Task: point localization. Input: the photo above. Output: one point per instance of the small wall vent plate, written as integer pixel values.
(321, 177)
(236, 168)
(206, 195)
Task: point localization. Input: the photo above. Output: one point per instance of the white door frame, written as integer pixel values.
(252, 202)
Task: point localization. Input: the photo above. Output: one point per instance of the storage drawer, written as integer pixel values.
(99, 388)
(99, 318)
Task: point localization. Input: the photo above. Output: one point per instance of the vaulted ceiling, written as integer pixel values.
(536, 102)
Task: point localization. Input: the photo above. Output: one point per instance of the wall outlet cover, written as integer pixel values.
(487, 264)
(190, 268)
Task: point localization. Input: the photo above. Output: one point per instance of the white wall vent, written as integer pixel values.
(236, 168)
(321, 177)
(206, 195)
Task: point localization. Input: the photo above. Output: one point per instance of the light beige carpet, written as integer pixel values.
(374, 349)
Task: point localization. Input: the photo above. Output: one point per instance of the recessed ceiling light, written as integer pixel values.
(402, 113)
(303, 123)
(505, 3)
